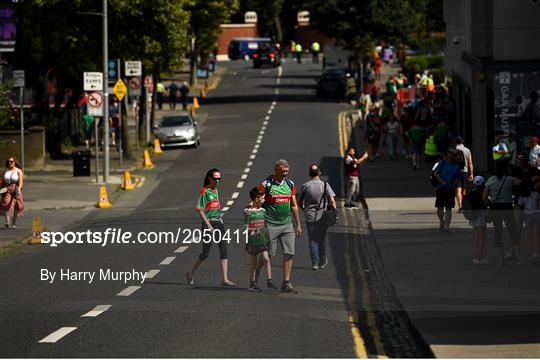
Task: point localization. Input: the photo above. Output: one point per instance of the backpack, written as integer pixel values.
(469, 211)
(432, 179)
(269, 185)
(460, 159)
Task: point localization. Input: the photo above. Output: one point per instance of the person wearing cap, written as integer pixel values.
(447, 174)
(474, 197)
(534, 154)
(467, 173)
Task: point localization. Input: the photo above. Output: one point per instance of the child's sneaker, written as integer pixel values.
(253, 286)
(271, 286)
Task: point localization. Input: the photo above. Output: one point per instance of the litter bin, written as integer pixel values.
(81, 163)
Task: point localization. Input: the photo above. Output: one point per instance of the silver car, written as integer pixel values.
(177, 130)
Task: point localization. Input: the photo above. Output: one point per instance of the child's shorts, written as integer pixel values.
(256, 249)
(480, 221)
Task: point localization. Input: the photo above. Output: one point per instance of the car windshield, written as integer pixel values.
(334, 72)
(176, 121)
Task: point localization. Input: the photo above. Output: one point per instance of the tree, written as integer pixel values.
(268, 16)
(206, 19)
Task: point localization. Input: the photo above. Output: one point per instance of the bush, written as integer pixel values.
(423, 62)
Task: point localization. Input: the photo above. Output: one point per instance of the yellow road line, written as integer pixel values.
(359, 343)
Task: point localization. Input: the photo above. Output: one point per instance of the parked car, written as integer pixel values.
(266, 56)
(178, 130)
(332, 81)
(244, 47)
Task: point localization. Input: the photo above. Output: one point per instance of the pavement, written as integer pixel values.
(358, 306)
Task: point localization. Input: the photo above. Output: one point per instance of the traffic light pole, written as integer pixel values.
(105, 97)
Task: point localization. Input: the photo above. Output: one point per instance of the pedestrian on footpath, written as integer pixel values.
(173, 96)
(258, 240)
(372, 134)
(298, 51)
(447, 174)
(160, 93)
(466, 174)
(417, 135)
(534, 153)
(498, 194)
(184, 93)
(315, 197)
(475, 212)
(209, 209)
(315, 48)
(281, 207)
(352, 171)
(393, 129)
(11, 185)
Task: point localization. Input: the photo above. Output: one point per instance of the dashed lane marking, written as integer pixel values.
(128, 291)
(226, 208)
(247, 170)
(152, 273)
(98, 310)
(167, 260)
(235, 195)
(267, 118)
(230, 202)
(249, 163)
(243, 177)
(181, 249)
(57, 335)
(252, 157)
(240, 184)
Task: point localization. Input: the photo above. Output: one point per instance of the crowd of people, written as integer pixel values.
(272, 220)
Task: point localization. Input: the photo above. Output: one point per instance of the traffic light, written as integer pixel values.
(113, 71)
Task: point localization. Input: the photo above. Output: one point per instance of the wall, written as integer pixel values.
(229, 31)
(34, 146)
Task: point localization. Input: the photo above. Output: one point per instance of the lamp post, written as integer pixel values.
(105, 97)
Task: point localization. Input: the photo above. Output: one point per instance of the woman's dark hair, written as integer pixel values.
(501, 168)
(17, 165)
(209, 174)
(255, 193)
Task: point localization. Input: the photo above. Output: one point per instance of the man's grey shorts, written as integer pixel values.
(284, 235)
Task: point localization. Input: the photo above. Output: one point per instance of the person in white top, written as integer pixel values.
(393, 129)
(534, 154)
(467, 173)
(11, 185)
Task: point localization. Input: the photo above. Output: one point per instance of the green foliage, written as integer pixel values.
(268, 15)
(206, 19)
(6, 114)
(423, 62)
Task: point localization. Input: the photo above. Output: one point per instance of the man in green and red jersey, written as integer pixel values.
(281, 207)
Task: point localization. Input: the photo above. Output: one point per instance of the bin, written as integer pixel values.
(81, 163)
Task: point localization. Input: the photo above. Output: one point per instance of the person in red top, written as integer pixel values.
(352, 171)
(209, 210)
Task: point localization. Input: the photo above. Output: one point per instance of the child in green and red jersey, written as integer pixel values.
(258, 239)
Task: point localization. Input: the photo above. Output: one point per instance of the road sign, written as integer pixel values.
(95, 104)
(133, 68)
(134, 85)
(113, 71)
(93, 81)
(120, 89)
(18, 78)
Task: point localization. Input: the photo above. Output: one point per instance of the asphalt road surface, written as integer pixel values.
(254, 118)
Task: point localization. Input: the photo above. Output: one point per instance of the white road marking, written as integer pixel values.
(230, 202)
(249, 163)
(261, 132)
(57, 335)
(181, 249)
(235, 195)
(265, 122)
(254, 151)
(98, 310)
(150, 274)
(259, 137)
(247, 170)
(256, 146)
(263, 128)
(240, 184)
(167, 260)
(258, 141)
(243, 177)
(269, 111)
(226, 208)
(273, 102)
(279, 71)
(252, 157)
(267, 117)
(128, 291)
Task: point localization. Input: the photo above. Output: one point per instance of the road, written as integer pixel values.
(347, 310)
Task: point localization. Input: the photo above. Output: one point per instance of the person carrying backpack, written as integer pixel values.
(281, 208)
(474, 210)
(446, 173)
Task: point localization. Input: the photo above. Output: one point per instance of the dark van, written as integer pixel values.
(244, 47)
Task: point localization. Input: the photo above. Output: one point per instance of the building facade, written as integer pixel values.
(492, 57)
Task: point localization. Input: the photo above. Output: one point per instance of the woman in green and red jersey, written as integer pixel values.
(209, 210)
